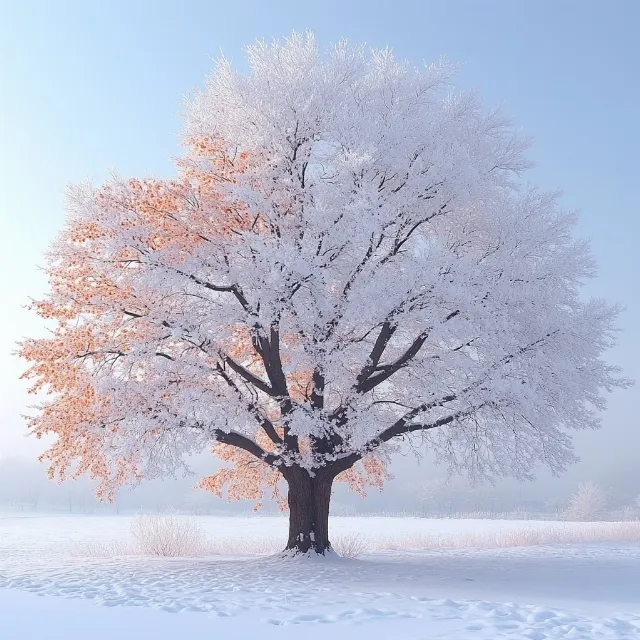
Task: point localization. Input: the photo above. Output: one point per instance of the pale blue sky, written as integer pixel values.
(88, 85)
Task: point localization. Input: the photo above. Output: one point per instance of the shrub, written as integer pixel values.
(629, 513)
(350, 545)
(169, 535)
(587, 504)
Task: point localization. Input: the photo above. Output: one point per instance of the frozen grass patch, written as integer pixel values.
(522, 537)
(97, 549)
(165, 535)
(171, 535)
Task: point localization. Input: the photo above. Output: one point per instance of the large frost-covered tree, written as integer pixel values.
(348, 258)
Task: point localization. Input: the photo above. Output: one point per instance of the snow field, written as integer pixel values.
(62, 619)
(575, 591)
(485, 595)
(109, 536)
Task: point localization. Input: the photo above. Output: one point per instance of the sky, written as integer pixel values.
(89, 86)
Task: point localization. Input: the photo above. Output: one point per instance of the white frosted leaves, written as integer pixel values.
(372, 199)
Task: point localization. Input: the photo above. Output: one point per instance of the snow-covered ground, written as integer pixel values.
(588, 591)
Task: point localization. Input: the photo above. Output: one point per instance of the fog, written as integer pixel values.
(417, 488)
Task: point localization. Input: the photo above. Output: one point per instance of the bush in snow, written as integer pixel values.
(587, 504)
(350, 545)
(169, 535)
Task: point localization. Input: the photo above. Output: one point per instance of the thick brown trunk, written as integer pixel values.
(308, 511)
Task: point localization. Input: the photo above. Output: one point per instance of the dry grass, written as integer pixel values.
(523, 537)
(178, 536)
(96, 549)
(169, 536)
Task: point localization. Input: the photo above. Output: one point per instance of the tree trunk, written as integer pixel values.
(308, 511)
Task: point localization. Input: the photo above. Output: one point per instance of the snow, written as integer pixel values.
(581, 591)
(23, 534)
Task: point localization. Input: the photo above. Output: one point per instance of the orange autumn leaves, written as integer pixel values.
(98, 316)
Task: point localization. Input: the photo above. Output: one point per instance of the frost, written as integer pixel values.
(345, 260)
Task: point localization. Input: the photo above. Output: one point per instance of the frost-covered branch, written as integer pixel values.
(242, 442)
(249, 377)
(374, 374)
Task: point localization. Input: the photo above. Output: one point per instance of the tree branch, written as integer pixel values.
(230, 288)
(269, 350)
(386, 333)
(247, 376)
(403, 425)
(236, 439)
(386, 371)
(265, 423)
(368, 382)
(317, 393)
(399, 243)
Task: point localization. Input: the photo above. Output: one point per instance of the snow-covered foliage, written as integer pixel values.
(589, 503)
(348, 257)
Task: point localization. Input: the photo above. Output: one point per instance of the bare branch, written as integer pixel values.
(235, 439)
(402, 426)
(231, 288)
(386, 333)
(401, 242)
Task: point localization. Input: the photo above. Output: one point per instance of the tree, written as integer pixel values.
(348, 259)
(588, 503)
